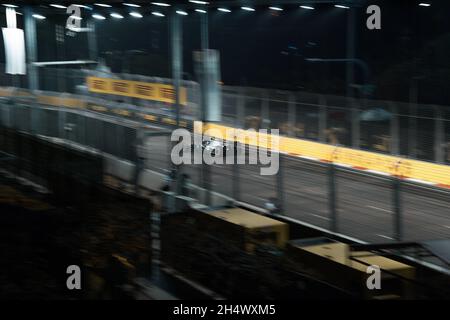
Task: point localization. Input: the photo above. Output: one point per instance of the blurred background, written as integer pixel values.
(364, 117)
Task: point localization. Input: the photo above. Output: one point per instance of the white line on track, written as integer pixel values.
(380, 209)
(386, 237)
(320, 217)
(379, 172)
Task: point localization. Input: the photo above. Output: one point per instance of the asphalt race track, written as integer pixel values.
(364, 201)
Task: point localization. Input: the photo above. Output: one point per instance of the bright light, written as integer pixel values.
(98, 17)
(341, 6)
(76, 17)
(10, 5)
(132, 5)
(136, 15)
(199, 2)
(161, 4)
(104, 5)
(247, 9)
(116, 15)
(276, 8)
(38, 16)
(82, 6)
(200, 10)
(158, 14)
(183, 13)
(58, 6)
(425, 4)
(224, 10)
(307, 7)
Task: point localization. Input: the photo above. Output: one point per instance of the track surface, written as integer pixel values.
(364, 201)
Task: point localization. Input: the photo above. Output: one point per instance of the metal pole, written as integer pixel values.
(236, 185)
(412, 132)
(265, 117)
(350, 74)
(240, 109)
(60, 79)
(177, 60)
(177, 67)
(92, 40)
(351, 77)
(439, 136)
(395, 134)
(396, 197)
(332, 197)
(292, 115)
(280, 185)
(204, 31)
(139, 158)
(322, 118)
(30, 34)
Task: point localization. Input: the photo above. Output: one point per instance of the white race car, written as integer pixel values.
(214, 147)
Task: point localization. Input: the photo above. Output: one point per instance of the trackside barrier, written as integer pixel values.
(418, 171)
(415, 170)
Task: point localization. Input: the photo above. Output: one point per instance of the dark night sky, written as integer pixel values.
(268, 50)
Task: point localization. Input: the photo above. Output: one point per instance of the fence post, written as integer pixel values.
(291, 115)
(356, 134)
(394, 129)
(396, 197)
(332, 197)
(280, 184)
(439, 136)
(236, 181)
(322, 118)
(139, 157)
(240, 109)
(265, 116)
(412, 125)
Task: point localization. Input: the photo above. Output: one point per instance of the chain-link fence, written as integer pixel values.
(413, 131)
(406, 129)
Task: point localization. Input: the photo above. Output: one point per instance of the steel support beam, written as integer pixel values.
(176, 41)
(31, 48)
(394, 131)
(204, 32)
(280, 185)
(439, 136)
(397, 208)
(92, 40)
(332, 197)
